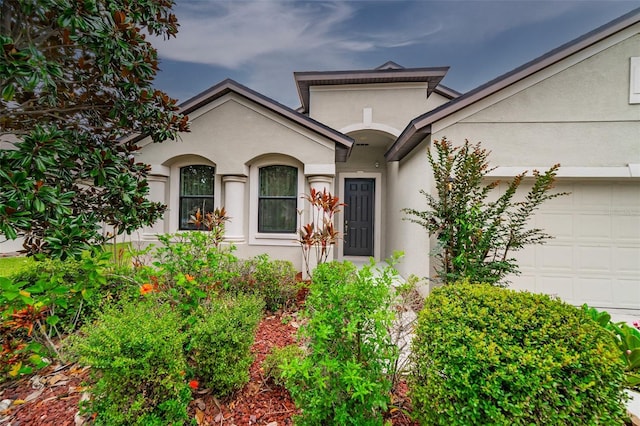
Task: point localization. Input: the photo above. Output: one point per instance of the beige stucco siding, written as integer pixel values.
(233, 131)
(391, 104)
(578, 116)
(405, 179)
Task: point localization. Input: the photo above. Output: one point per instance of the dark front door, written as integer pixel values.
(358, 217)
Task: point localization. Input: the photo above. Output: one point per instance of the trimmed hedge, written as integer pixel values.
(487, 355)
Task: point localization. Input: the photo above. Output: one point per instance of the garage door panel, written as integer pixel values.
(594, 258)
(626, 293)
(557, 257)
(626, 195)
(560, 286)
(627, 260)
(595, 255)
(594, 290)
(626, 227)
(593, 226)
(597, 195)
(558, 224)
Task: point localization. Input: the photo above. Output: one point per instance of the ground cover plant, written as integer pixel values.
(487, 355)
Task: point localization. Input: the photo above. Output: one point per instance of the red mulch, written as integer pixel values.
(260, 402)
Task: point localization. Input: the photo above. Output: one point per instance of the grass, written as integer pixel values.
(11, 265)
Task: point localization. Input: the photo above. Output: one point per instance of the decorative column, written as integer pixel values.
(234, 205)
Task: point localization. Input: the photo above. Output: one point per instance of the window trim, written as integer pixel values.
(173, 187)
(181, 197)
(267, 238)
(277, 197)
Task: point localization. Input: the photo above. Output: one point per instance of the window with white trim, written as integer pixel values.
(197, 184)
(278, 199)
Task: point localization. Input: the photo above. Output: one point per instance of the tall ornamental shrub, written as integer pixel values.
(487, 355)
(477, 237)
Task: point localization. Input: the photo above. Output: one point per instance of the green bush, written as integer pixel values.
(272, 364)
(273, 280)
(220, 343)
(135, 350)
(486, 355)
(346, 377)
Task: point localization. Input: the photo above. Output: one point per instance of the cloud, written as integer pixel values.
(233, 33)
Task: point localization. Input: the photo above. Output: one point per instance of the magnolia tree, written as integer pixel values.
(75, 84)
(477, 237)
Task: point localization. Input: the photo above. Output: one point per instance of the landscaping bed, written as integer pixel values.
(51, 396)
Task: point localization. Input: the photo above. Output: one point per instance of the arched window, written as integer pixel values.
(196, 193)
(278, 199)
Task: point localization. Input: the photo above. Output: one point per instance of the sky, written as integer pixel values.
(260, 43)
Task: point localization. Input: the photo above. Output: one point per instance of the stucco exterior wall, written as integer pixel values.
(393, 105)
(405, 179)
(577, 114)
(232, 131)
(237, 136)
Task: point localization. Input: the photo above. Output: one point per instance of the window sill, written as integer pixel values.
(274, 239)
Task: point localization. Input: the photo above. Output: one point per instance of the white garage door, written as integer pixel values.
(595, 256)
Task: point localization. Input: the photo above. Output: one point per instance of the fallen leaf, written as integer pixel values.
(18, 402)
(33, 395)
(200, 417)
(200, 403)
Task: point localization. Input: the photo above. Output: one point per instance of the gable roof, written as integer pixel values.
(389, 72)
(420, 127)
(342, 141)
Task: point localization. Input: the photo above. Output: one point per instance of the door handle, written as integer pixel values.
(346, 226)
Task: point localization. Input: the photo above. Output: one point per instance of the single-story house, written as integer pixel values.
(363, 134)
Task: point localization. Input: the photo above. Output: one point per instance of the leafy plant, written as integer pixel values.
(487, 355)
(47, 302)
(627, 339)
(273, 280)
(135, 350)
(476, 236)
(346, 376)
(317, 237)
(220, 342)
(272, 364)
(76, 81)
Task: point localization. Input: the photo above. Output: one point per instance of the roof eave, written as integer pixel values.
(406, 142)
(512, 77)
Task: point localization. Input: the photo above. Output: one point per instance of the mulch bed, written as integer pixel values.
(51, 397)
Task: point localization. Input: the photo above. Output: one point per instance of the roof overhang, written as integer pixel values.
(419, 127)
(305, 80)
(343, 142)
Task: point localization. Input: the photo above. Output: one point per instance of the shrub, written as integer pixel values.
(197, 254)
(273, 280)
(47, 301)
(272, 365)
(346, 377)
(135, 350)
(477, 236)
(627, 340)
(220, 343)
(486, 355)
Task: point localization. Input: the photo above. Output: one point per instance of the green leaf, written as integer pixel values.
(8, 92)
(52, 320)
